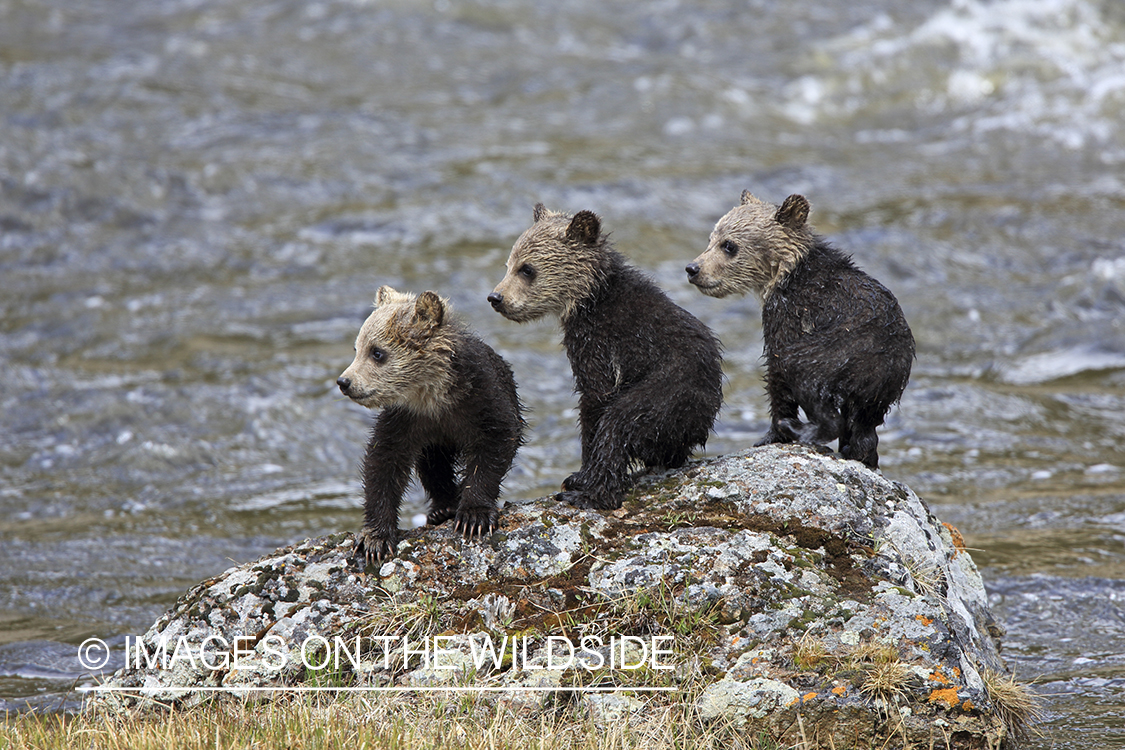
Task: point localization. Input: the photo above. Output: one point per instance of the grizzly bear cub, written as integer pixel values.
(836, 342)
(648, 374)
(449, 403)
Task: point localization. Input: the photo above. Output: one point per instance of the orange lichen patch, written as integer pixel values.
(958, 540)
(956, 671)
(924, 620)
(793, 702)
(842, 690)
(937, 676)
(807, 697)
(967, 705)
(947, 697)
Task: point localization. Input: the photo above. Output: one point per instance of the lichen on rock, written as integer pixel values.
(781, 589)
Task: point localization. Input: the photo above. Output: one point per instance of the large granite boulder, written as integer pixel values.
(781, 589)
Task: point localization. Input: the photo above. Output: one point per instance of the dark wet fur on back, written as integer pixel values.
(838, 346)
(649, 380)
(836, 342)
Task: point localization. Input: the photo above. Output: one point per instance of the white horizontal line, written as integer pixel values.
(371, 689)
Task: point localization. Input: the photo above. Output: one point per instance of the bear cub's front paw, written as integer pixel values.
(438, 516)
(476, 522)
(376, 545)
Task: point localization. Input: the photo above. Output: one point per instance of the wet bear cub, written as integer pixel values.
(836, 342)
(449, 412)
(648, 374)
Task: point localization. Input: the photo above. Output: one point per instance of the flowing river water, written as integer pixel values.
(199, 198)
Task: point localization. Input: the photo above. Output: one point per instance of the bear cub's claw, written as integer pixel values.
(375, 546)
(438, 516)
(476, 523)
(587, 501)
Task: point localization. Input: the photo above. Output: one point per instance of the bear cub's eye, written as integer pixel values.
(729, 248)
(527, 272)
(378, 355)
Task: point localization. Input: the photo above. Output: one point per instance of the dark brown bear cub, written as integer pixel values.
(449, 407)
(648, 374)
(836, 342)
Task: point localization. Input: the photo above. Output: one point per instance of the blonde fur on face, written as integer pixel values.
(403, 354)
(753, 247)
(550, 268)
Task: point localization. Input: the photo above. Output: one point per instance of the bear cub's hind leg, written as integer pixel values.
(785, 422)
(863, 442)
(824, 423)
(601, 483)
(644, 425)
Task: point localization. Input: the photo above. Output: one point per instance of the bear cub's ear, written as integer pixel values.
(748, 197)
(384, 295)
(584, 227)
(429, 311)
(794, 212)
(539, 212)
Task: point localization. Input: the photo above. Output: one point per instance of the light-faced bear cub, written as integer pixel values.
(449, 412)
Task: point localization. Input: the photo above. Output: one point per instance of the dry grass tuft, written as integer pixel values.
(873, 652)
(888, 680)
(1015, 704)
(661, 609)
(809, 653)
(928, 579)
(410, 616)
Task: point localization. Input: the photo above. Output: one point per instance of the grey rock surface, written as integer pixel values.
(783, 589)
